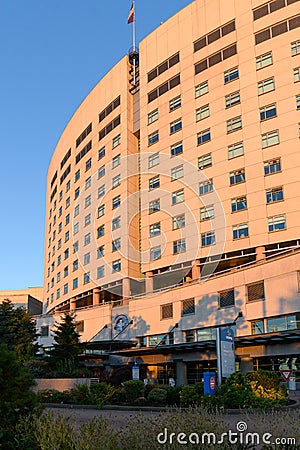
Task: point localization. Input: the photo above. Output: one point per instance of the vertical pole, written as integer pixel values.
(219, 362)
(134, 44)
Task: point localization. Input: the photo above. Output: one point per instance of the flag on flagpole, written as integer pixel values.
(131, 14)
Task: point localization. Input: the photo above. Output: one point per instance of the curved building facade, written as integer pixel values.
(173, 193)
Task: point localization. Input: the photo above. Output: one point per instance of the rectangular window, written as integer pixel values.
(231, 74)
(75, 265)
(270, 138)
(101, 211)
(88, 164)
(257, 327)
(116, 141)
(116, 223)
(154, 182)
(235, 150)
(276, 223)
(100, 251)
(237, 176)
(76, 228)
(116, 245)
(295, 47)
(155, 253)
(179, 246)
(153, 116)
(153, 138)
(188, 307)
(101, 191)
(255, 291)
(238, 204)
(75, 283)
(272, 166)
(204, 161)
(101, 172)
(77, 175)
(100, 272)
(77, 192)
(177, 172)
(205, 187)
(87, 201)
(207, 212)
(178, 221)
(234, 124)
(189, 336)
(167, 311)
(101, 153)
(116, 201)
(232, 99)
(86, 278)
(116, 181)
(176, 149)
(264, 60)
(66, 288)
(116, 161)
(88, 182)
(75, 247)
(266, 86)
(226, 298)
(176, 125)
(203, 136)
(202, 113)
(153, 160)
(178, 197)
(208, 238)
(100, 231)
(87, 239)
(297, 74)
(116, 266)
(297, 102)
(240, 231)
(201, 89)
(154, 229)
(154, 206)
(267, 112)
(86, 258)
(87, 220)
(175, 103)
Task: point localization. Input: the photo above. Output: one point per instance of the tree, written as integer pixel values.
(17, 330)
(67, 347)
(16, 398)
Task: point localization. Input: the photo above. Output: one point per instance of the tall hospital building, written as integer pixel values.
(173, 197)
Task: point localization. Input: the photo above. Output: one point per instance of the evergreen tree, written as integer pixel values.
(16, 398)
(67, 347)
(17, 330)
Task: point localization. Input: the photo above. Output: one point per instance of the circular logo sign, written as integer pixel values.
(121, 322)
(212, 383)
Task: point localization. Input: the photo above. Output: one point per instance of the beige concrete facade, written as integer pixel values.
(190, 178)
(30, 298)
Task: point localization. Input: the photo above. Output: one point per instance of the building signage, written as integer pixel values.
(135, 372)
(121, 322)
(227, 351)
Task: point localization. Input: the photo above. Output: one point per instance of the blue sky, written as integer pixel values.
(52, 54)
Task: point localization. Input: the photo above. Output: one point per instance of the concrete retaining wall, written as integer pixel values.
(59, 384)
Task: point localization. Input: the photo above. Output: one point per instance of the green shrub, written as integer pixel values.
(81, 394)
(158, 396)
(133, 389)
(173, 394)
(266, 384)
(53, 396)
(191, 395)
(102, 394)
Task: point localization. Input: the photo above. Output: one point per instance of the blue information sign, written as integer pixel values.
(227, 351)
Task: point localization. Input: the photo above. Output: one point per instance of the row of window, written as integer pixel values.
(115, 267)
(214, 36)
(276, 30)
(270, 7)
(240, 231)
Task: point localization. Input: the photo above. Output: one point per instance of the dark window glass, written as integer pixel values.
(260, 12)
(152, 75)
(212, 37)
(174, 60)
(200, 66)
(175, 81)
(163, 89)
(228, 28)
(199, 44)
(163, 67)
(230, 51)
(294, 23)
(226, 298)
(262, 36)
(277, 5)
(279, 29)
(215, 59)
